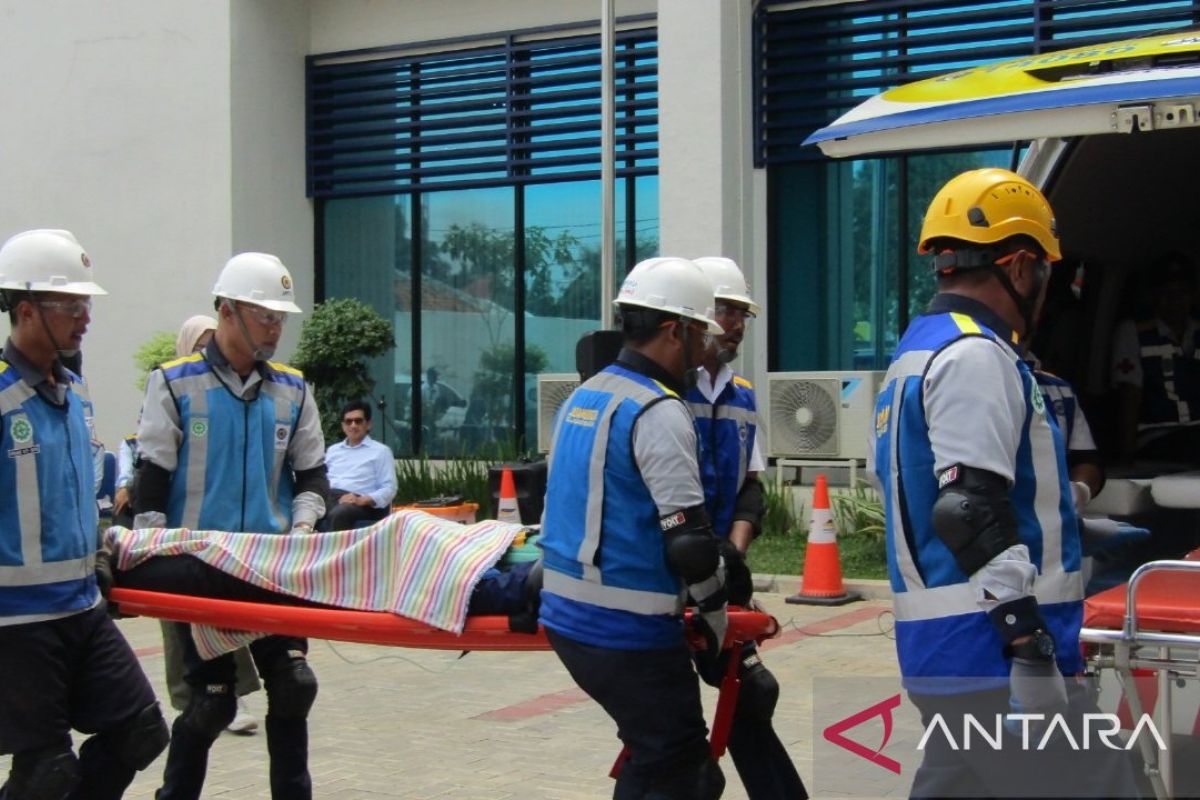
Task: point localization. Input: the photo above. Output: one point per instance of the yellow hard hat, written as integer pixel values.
(987, 206)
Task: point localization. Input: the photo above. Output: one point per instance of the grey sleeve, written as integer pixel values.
(664, 447)
(975, 406)
(159, 434)
(307, 448)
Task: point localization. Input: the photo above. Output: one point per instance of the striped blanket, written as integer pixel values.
(411, 564)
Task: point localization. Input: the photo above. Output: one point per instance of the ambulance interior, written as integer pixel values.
(1121, 201)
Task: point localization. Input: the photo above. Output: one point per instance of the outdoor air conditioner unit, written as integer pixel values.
(553, 389)
(821, 415)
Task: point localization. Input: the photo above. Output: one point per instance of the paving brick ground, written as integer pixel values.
(393, 723)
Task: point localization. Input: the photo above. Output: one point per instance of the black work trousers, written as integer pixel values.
(763, 764)
(654, 697)
(287, 738)
(74, 672)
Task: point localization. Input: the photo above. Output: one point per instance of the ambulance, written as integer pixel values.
(1111, 134)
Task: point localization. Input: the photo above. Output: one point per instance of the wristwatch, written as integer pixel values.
(1038, 647)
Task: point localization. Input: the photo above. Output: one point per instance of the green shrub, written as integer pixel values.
(160, 347)
(862, 533)
(420, 478)
(780, 515)
(859, 512)
(335, 343)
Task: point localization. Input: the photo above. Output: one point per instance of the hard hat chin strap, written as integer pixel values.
(1026, 304)
(258, 352)
(62, 351)
(690, 370)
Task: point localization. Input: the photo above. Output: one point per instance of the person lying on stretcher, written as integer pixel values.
(410, 564)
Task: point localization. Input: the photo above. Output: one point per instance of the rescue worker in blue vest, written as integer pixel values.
(230, 440)
(983, 547)
(626, 530)
(1156, 370)
(63, 663)
(725, 415)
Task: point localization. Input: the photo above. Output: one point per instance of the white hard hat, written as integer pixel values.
(673, 286)
(728, 280)
(260, 279)
(46, 261)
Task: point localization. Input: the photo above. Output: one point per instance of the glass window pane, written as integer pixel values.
(368, 256)
(926, 174)
(467, 299)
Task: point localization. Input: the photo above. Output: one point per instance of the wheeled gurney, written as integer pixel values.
(1151, 624)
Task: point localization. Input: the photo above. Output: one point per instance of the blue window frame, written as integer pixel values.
(457, 190)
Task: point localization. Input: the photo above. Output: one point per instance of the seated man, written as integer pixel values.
(362, 472)
(1156, 372)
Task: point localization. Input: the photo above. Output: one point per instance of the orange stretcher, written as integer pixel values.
(1149, 626)
(378, 627)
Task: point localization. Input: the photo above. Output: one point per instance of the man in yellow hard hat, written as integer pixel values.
(984, 548)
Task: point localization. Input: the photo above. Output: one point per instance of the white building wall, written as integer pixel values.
(356, 24)
(169, 134)
(116, 126)
(711, 200)
(270, 212)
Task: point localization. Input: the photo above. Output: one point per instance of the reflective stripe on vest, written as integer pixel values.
(595, 428)
(1170, 379)
(47, 458)
(933, 600)
(725, 431)
(264, 493)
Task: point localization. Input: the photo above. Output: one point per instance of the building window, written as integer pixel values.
(844, 275)
(458, 192)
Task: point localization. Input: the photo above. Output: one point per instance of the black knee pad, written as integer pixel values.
(210, 710)
(291, 690)
(760, 691)
(51, 773)
(139, 740)
(694, 780)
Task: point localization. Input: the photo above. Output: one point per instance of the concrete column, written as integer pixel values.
(711, 200)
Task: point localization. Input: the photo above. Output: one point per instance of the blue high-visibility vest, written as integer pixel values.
(940, 628)
(48, 516)
(244, 483)
(1170, 379)
(606, 580)
(725, 431)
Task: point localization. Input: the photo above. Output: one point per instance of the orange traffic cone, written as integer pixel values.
(507, 509)
(821, 584)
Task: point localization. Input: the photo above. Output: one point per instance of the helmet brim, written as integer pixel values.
(83, 288)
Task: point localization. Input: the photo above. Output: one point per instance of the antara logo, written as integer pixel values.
(1005, 731)
(883, 710)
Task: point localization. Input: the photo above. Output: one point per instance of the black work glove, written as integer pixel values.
(739, 585)
(104, 572)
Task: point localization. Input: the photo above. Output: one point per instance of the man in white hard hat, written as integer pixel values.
(63, 663)
(724, 409)
(232, 441)
(625, 530)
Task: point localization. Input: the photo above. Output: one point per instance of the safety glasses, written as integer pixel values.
(75, 309)
(1032, 256)
(264, 317)
(732, 312)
